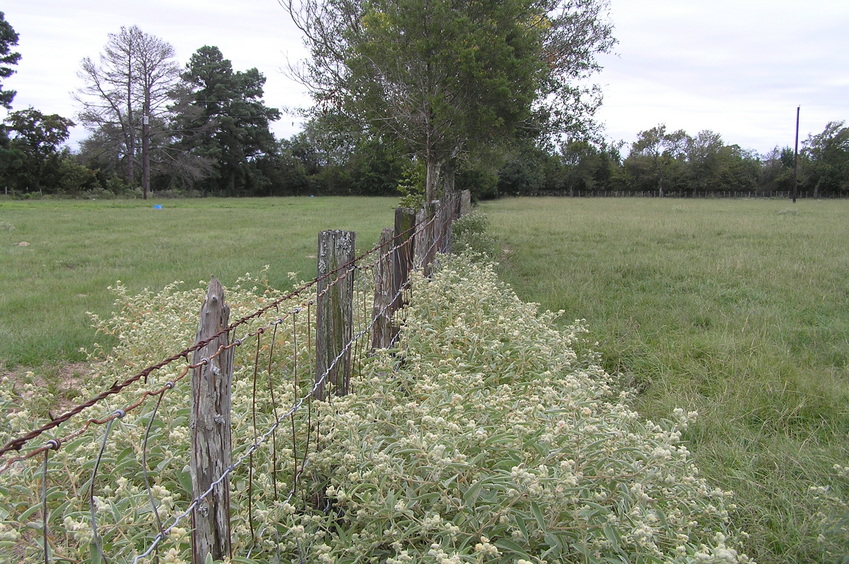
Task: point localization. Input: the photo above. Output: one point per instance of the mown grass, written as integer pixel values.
(738, 309)
(77, 249)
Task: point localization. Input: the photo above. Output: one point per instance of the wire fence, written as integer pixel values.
(132, 484)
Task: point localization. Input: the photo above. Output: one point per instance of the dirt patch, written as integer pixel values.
(56, 385)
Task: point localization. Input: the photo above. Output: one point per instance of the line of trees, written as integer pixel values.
(658, 163)
(404, 97)
(154, 126)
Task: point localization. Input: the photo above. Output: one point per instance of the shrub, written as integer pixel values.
(492, 440)
(471, 234)
(484, 436)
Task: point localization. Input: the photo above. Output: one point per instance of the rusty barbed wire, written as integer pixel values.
(248, 454)
(342, 273)
(18, 443)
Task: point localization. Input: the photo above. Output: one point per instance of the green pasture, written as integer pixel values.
(736, 308)
(57, 258)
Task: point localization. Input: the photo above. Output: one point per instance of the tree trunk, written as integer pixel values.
(146, 146)
(131, 132)
(432, 179)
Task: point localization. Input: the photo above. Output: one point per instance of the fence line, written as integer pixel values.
(18, 443)
(414, 247)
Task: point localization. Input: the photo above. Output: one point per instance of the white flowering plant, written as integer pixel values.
(485, 435)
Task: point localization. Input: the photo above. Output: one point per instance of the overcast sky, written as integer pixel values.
(737, 67)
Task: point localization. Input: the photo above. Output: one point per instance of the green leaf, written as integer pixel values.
(612, 536)
(510, 548)
(538, 515)
(520, 522)
(471, 495)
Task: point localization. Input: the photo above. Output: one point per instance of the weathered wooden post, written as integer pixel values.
(402, 262)
(382, 331)
(446, 220)
(426, 238)
(465, 202)
(210, 429)
(334, 312)
(421, 239)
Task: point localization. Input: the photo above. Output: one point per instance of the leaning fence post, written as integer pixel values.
(382, 332)
(210, 429)
(334, 312)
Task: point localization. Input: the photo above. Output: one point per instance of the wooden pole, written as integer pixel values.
(402, 263)
(382, 331)
(334, 312)
(210, 429)
(421, 240)
(796, 156)
(465, 202)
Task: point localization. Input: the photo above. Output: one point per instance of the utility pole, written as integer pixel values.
(796, 156)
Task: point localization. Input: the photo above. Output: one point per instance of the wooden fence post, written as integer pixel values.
(382, 331)
(427, 238)
(210, 429)
(334, 312)
(402, 263)
(421, 240)
(447, 212)
(465, 202)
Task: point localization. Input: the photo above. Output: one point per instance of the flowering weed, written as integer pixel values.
(486, 435)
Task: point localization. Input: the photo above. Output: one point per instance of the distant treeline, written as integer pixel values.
(204, 129)
(315, 162)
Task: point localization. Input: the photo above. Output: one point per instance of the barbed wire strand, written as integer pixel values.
(116, 388)
(144, 396)
(18, 443)
(254, 447)
(236, 342)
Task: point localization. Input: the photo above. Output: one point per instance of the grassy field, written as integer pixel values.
(57, 258)
(738, 309)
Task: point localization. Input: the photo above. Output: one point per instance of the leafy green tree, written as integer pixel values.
(35, 142)
(448, 76)
(523, 170)
(225, 120)
(588, 166)
(776, 173)
(705, 163)
(8, 39)
(827, 160)
(655, 156)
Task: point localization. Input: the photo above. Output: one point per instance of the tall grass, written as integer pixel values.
(738, 309)
(76, 249)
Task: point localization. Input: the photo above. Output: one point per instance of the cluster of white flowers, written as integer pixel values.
(486, 435)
